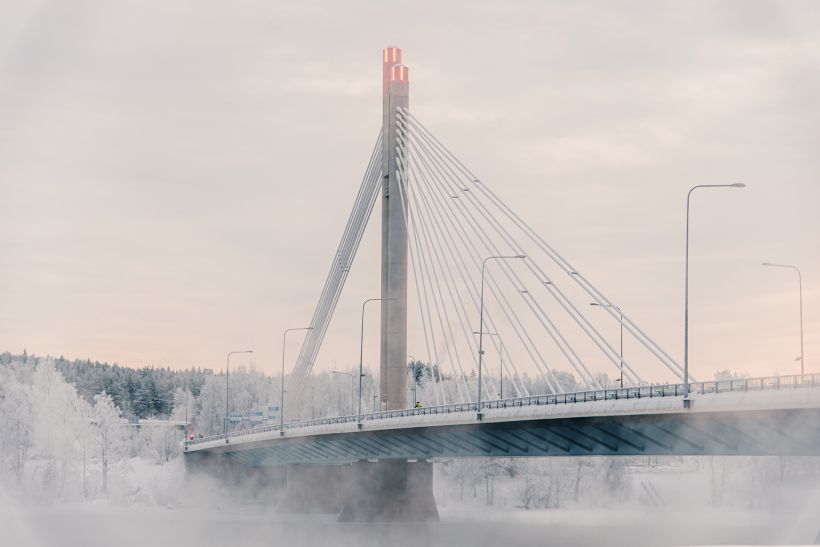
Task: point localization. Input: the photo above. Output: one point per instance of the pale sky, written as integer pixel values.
(175, 175)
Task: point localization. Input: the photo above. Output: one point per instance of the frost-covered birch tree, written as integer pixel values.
(108, 432)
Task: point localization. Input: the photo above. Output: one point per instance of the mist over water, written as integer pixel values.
(74, 474)
(249, 524)
(703, 501)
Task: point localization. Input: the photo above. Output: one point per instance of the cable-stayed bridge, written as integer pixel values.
(444, 221)
(477, 276)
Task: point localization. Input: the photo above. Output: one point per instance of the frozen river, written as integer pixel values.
(99, 524)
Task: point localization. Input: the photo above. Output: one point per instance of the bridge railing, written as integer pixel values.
(765, 383)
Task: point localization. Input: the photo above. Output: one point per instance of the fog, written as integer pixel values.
(75, 474)
(225, 518)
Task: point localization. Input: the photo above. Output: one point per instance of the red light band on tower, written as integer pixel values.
(391, 56)
(399, 73)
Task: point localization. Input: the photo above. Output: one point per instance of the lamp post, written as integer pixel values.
(686, 290)
(500, 368)
(282, 391)
(361, 356)
(227, 371)
(621, 313)
(800, 289)
(481, 324)
(501, 363)
(352, 386)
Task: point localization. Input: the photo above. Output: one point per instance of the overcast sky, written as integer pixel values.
(175, 175)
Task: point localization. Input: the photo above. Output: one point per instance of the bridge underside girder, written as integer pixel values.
(768, 432)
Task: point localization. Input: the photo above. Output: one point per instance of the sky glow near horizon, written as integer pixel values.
(175, 176)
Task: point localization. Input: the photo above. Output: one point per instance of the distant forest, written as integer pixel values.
(149, 392)
(139, 393)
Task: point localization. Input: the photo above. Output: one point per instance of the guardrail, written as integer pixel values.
(765, 383)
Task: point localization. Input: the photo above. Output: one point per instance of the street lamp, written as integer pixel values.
(686, 289)
(501, 363)
(361, 356)
(481, 323)
(282, 395)
(227, 369)
(621, 380)
(352, 386)
(800, 288)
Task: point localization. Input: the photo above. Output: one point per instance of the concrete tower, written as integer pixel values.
(393, 363)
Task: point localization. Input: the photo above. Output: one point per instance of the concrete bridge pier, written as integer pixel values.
(390, 491)
(384, 491)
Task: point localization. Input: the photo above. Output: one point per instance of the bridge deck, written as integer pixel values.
(743, 412)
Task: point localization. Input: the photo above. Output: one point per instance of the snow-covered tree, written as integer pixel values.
(109, 433)
(16, 422)
(184, 405)
(211, 406)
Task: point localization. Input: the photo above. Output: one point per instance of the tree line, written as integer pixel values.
(137, 392)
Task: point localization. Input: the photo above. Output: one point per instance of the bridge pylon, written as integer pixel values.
(393, 356)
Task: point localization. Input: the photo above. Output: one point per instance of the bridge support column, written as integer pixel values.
(390, 491)
(393, 356)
